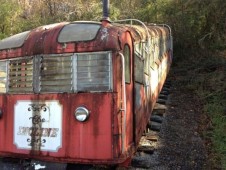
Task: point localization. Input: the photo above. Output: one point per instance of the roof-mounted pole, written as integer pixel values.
(105, 18)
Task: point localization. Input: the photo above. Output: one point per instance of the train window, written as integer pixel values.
(156, 49)
(78, 32)
(152, 51)
(146, 56)
(141, 49)
(160, 48)
(14, 41)
(142, 52)
(126, 53)
(138, 69)
(164, 44)
(138, 49)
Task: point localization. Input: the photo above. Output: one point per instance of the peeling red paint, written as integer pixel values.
(100, 139)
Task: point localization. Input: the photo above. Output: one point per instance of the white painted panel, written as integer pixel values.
(38, 125)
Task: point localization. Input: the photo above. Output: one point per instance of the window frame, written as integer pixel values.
(127, 63)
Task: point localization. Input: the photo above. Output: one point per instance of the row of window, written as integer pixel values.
(147, 54)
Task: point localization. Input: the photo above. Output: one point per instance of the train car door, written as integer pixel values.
(127, 47)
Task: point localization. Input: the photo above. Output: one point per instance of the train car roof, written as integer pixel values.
(18, 40)
(77, 31)
(69, 32)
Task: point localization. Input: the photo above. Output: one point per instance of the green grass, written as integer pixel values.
(208, 80)
(215, 108)
(206, 77)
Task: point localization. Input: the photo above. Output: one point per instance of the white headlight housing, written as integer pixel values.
(81, 114)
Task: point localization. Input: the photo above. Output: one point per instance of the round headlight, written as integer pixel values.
(81, 114)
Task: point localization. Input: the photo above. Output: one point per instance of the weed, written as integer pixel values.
(206, 78)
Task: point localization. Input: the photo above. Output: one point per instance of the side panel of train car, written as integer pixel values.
(80, 92)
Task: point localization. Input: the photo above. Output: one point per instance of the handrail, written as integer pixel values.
(164, 25)
(124, 100)
(131, 23)
(145, 27)
(170, 32)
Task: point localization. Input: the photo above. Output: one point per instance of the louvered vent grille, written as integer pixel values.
(20, 75)
(94, 72)
(3, 77)
(70, 73)
(56, 74)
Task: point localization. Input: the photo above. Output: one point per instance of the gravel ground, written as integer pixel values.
(182, 146)
(179, 146)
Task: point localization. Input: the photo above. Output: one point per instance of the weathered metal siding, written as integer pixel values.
(102, 138)
(126, 39)
(91, 140)
(150, 70)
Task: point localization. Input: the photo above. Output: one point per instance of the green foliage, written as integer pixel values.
(198, 26)
(9, 12)
(204, 76)
(207, 79)
(216, 111)
(195, 23)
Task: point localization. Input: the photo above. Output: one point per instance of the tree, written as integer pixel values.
(9, 13)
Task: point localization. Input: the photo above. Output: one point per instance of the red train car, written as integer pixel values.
(80, 92)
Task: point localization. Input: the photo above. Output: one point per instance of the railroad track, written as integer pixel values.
(146, 155)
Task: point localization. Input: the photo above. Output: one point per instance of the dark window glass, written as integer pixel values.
(126, 53)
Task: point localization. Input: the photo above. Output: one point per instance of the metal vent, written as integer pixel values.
(3, 76)
(94, 72)
(56, 74)
(20, 75)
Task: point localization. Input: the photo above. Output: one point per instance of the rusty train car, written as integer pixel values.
(81, 92)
